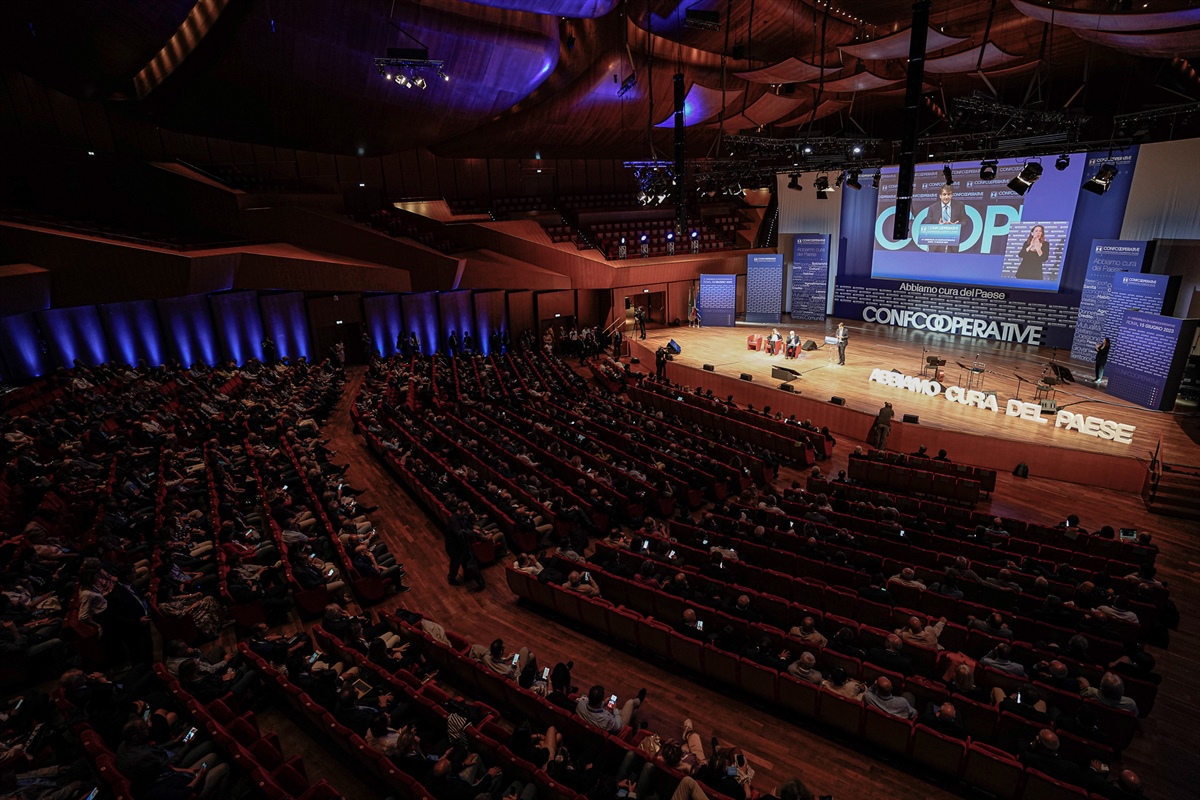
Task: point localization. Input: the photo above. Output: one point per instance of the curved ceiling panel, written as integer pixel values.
(859, 82)
(967, 60)
(791, 71)
(1155, 21)
(576, 9)
(826, 108)
(1159, 45)
(896, 45)
(762, 111)
(700, 105)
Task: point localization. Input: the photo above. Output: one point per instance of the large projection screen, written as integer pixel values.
(978, 232)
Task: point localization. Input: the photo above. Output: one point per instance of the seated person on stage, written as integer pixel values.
(773, 340)
(792, 345)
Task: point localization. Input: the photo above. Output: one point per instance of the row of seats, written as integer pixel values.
(980, 764)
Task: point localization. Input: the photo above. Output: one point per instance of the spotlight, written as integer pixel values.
(856, 150)
(670, 236)
(808, 150)
(661, 199)
(1102, 180)
(1062, 162)
(419, 82)
(852, 181)
(622, 240)
(400, 79)
(1028, 177)
(841, 176)
(821, 184)
(643, 198)
(644, 238)
(987, 169)
(695, 234)
(949, 175)
(875, 180)
(794, 182)
(443, 75)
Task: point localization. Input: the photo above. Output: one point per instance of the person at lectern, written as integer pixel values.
(843, 337)
(792, 345)
(946, 211)
(1101, 358)
(1034, 254)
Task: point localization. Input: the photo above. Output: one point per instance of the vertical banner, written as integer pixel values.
(1148, 359)
(810, 275)
(764, 287)
(1130, 292)
(718, 300)
(1107, 257)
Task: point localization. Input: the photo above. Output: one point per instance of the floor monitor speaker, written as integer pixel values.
(913, 418)
(787, 387)
(746, 376)
(709, 368)
(810, 345)
(838, 401)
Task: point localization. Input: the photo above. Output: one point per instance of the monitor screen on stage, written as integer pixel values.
(979, 232)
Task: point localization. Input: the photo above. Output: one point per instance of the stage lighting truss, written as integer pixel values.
(981, 111)
(409, 72)
(656, 181)
(1102, 180)
(816, 149)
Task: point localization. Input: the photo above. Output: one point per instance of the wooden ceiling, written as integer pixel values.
(299, 73)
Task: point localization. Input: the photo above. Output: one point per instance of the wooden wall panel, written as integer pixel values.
(323, 311)
(447, 181)
(410, 171)
(547, 304)
(520, 313)
(393, 176)
(347, 169)
(590, 305)
(429, 177)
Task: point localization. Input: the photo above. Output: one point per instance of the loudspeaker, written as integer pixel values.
(670, 357)
(746, 376)
(635, 360)
(1049, 406)
(810, 345)
(1063, 373)
(709, 368)
(674, 348)
(913, 418)
(787, 387)
(838, 401)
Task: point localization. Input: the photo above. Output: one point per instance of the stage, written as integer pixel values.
(969, 434)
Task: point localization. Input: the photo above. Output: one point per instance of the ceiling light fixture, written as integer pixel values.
(987, 169)
(1102, 180)
(1027, 178)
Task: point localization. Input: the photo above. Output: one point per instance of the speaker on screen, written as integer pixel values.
(746, 376)
(709, 368)
(913, 418)
(673, 348)
(838, 401)
(810, 345)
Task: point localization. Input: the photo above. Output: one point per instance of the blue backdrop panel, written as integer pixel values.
(133, 332)
(456, 311)
(1106, 258)
(285, 320)
(188, 328)
(810, 275)
(764, 287)
(1147, 361)
(73, 333)
(239, 325)
(383, 321)
(491, 314)
(1130, 292)
(718, 299)
(421, 315)
(21, 349)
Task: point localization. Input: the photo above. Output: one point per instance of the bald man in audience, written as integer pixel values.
(889, 656)
(1042, 754)
(918, 633)
(907, 577)
(805, 669)
(880, 696)
(807, 632)
(582, 583)
(944, 719)
(1111, 692)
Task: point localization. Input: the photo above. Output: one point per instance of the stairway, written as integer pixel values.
(1177, 493)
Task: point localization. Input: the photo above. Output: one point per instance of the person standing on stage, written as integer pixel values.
(1101, 358)
(639, 321)
(883, 426)
(843, 336)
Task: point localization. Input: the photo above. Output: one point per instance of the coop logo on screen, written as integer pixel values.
(945, 323)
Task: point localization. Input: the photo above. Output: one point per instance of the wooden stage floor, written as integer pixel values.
(873, 346)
